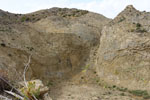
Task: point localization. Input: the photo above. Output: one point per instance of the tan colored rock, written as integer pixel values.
(124, 51)
(61, 42)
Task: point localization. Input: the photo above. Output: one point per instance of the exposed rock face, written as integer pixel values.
(61, 41)
(124, 52)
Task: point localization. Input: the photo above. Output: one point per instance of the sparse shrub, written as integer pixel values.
(139, 28)
(31, 91)
(114, 86)
(137, 14)
(122, 94)
(132, 30)
(138, 25)
(138, 92)
(3, 44)
(122, 89)
(37, 19)
(33, 18)
(30, 48)
(84, 12)
(76, 13)
(86, 68)
(24, 18)
(5, 30)
(50, 83)
(133, 22)
(141, 93)
(121, 19)
(63, 15)
(2, 30)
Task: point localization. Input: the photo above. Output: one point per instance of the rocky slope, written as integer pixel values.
(76, 51)
(59, 41)
(123, 55)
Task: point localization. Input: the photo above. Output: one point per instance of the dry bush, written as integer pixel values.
(29, 92)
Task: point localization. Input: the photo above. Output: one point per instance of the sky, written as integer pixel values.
(108, 8)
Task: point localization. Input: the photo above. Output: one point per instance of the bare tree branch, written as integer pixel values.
(24, 74)
(25, 69)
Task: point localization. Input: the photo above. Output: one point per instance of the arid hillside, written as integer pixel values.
(79, 54)
(59, 41)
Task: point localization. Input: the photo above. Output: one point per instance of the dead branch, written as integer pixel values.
(14, 94)
(3, 97)
(7, 86)
(24, 74)
(25, 70)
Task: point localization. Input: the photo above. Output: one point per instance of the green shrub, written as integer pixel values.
(138, 28)
(138, 25)
(138, 92)
(31, 90)
(24, 18)
(141, 30)
(141, 93)
(121, 19)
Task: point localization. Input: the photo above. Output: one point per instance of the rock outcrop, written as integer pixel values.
(124, 51)
(61, 42)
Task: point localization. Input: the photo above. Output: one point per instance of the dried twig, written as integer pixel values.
(14, 94)
(25, 69)
(10, 86)
(24, 74)
(34, 97)
(3, 97)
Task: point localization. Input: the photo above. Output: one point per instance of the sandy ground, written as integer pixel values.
(71, 91)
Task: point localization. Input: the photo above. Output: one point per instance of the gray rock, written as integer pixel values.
(123, 54)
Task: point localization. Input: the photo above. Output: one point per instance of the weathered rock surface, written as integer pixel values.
(124, 51)
(65, 43)
(61, 42)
